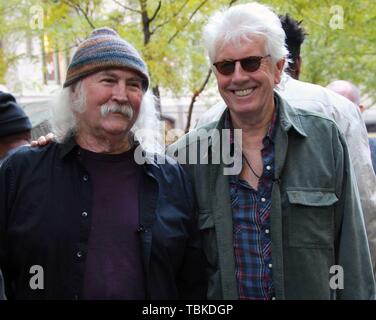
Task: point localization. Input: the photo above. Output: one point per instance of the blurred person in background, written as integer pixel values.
(15, 132)
(352, 92)
(15, 126)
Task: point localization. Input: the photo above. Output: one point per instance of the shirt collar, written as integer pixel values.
(69, 146)
(271, 130)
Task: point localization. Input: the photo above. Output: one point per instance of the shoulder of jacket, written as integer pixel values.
(202, 133)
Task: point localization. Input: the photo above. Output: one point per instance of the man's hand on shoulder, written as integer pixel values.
(43, 140)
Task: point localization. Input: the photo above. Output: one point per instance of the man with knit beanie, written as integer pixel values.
(15, 126)
(110, 228)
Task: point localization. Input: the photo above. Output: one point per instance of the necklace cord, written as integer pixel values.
(250, 167)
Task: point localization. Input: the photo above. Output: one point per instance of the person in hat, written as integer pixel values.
(101, 213)
(15, 126)
(15, 132)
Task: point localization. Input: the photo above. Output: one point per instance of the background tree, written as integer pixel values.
(168, 33)
(341, 43)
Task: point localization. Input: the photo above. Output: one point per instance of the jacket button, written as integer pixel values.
(85, 177)
(79, 254)
(84, 214)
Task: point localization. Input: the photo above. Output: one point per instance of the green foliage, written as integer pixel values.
(3, 65)
(331, 53)
(171, 42)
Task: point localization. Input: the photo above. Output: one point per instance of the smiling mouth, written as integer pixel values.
(243, 93)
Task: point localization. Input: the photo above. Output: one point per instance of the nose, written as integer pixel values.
(239, 75)
(119, 93)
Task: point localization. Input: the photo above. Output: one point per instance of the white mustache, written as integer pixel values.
(124, 109)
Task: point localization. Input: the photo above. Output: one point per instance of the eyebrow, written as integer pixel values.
(114, 75)
(109, 74)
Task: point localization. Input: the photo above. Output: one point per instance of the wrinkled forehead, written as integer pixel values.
(253, 43)
(123, 72)
(118, 74)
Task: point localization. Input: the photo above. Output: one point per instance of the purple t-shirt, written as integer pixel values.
(113, 267)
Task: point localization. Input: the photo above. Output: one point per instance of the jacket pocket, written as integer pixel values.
(207, 230)
(310, 217)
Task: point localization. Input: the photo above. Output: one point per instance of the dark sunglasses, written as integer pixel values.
(249, 64)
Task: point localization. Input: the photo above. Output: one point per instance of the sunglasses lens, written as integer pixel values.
(225, 67)
(251, 64)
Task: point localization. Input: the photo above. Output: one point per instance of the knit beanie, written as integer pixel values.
(12, 118)
(104, 49)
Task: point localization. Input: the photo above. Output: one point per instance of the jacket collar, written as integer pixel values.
(288, 118)
(69, 146)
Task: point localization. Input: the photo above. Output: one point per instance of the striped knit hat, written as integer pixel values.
(104, 49)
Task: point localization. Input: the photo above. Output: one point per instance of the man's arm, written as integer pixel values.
(192, 279)
(2, 294)
(358, 146)
(5, 190)
(351, 241)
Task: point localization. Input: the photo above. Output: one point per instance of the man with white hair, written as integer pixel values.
(81, 219)
(288, 224)
(315, 98)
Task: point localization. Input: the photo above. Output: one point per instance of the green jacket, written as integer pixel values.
(316, 216)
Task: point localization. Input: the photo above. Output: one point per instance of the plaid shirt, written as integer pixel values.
(251, 225)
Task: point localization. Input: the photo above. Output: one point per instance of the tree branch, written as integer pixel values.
(193, 100)
(173, 16)
(188, 21)
(145, 20)
(126, 7)
(79, 9)
(156, 11)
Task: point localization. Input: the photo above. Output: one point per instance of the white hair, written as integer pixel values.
(245, 22)
(147, 129)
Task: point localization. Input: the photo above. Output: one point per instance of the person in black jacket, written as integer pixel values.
(15, 131)
(100, 214)
(15, 126)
